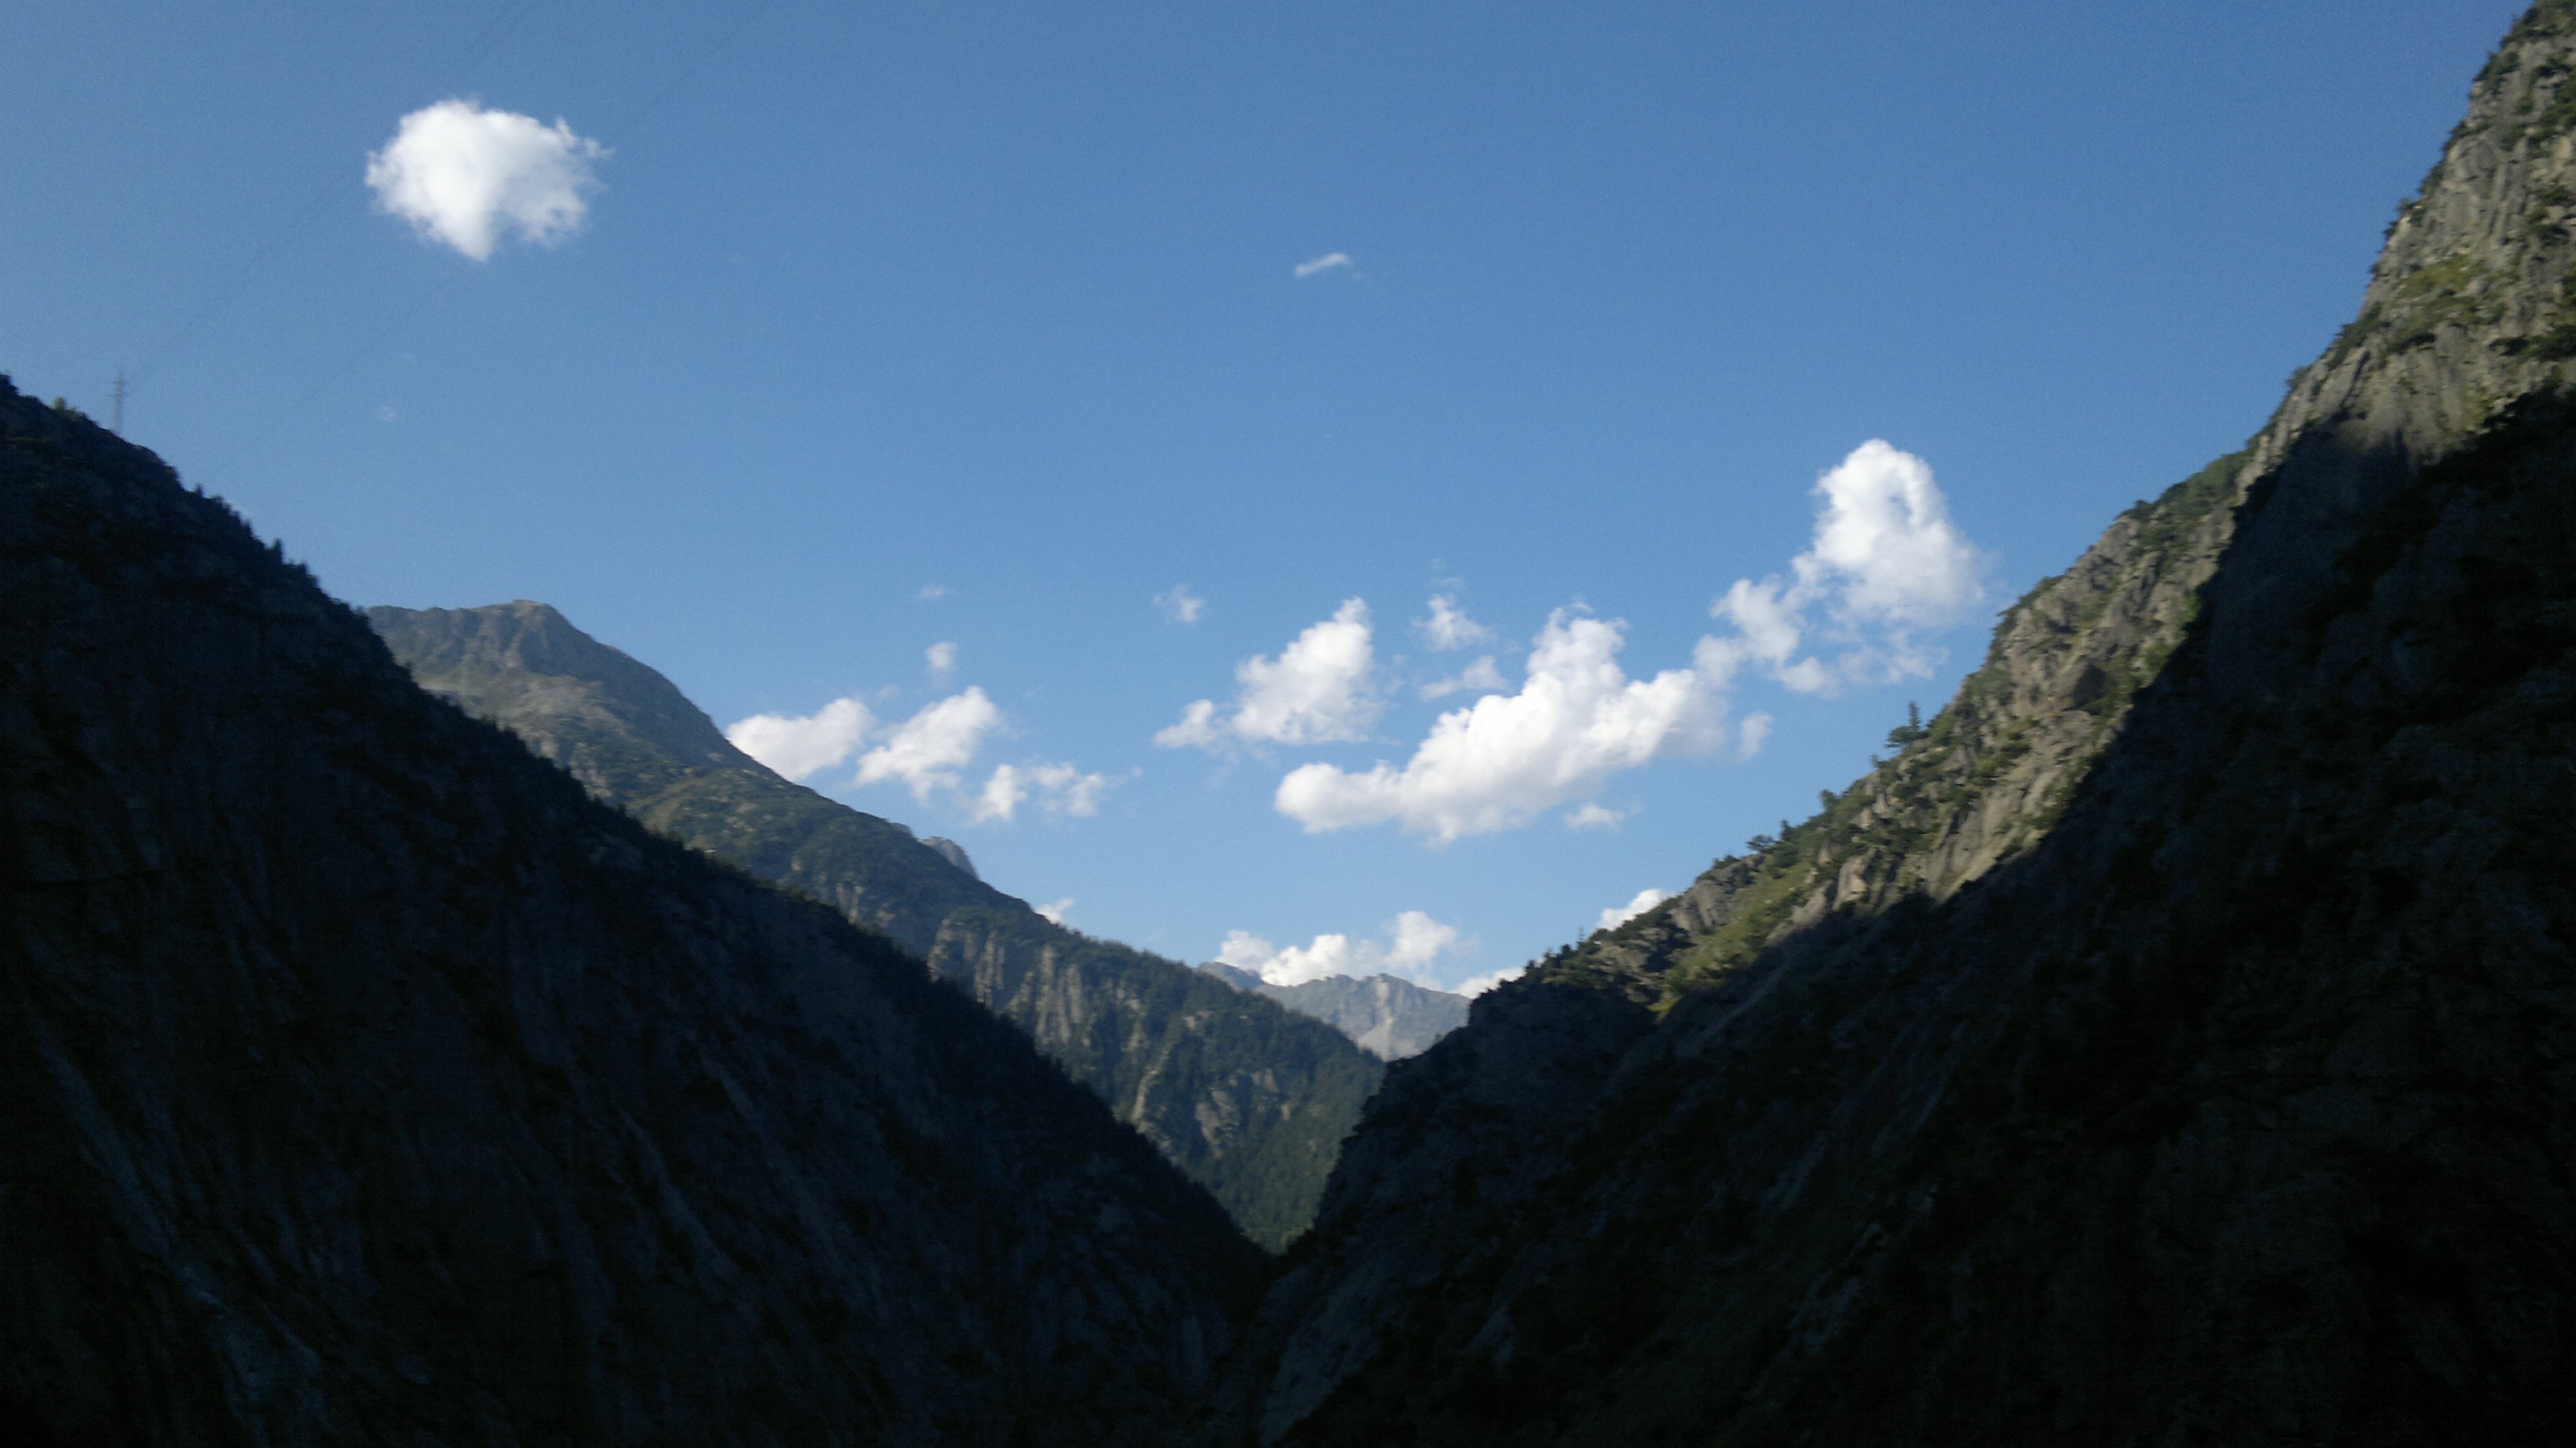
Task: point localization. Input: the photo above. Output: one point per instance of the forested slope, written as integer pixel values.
(1250, 1099)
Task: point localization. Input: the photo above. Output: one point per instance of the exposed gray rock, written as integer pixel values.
(954, 853)
(1387, 1016)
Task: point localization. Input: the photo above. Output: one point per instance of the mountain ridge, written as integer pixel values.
(366, 1080)
(1248, 1098)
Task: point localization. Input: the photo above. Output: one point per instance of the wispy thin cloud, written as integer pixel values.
(1594, 815)
(1179, 604)
(1329, 261)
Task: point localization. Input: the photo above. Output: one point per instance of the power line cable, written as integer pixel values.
(332, 190)
(438, 289)
(358, 354)
(653, 102)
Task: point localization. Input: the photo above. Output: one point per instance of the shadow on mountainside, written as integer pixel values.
(2238, 1109)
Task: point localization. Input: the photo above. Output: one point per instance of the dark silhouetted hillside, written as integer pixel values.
(364, 1081)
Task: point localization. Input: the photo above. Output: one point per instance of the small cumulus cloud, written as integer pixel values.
(928, 752)
(1449, 627)
(1886, 565)
(1059, 789)
(1577, 719)
(1054, 910)
(1615, 916)
(801, 746)
(468, 177)
(1179, 604)
(942, 658)
(1317, 691)
(1751, 735)
(1591, 815)
(925, 751)
(1413, 940)
(1329, 261)
(1476, 985)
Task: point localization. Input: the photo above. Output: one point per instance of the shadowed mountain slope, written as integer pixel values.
(1250, 1099)
(363, 1080)
(2174, 1043)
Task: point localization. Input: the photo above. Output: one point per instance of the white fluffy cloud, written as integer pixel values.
(1059, 789)
(1476, 985)
(942, 658)
(799, 746)
(1885, 567)
(1577, 719)
(1617, 915)
(1054, 910)
(1413, 941)
(468, 177)
(1179, 604)
(1449, 627)
(926, 751)
(1319, 690)
(1886, 564)
(1329, 261)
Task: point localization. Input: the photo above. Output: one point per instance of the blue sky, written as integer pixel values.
(895, 326)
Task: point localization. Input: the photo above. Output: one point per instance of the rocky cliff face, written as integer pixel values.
(1250, 1100)
(2175, 1043)
(362, 1080)
(1387, 1016)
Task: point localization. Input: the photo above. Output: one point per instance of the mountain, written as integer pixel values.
(1389, 1017)
(2174, 1042)
(363, 1080)
(1251, 1100)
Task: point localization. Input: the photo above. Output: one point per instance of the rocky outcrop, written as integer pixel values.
(954, 853)
(363, 1080)
(2172, 1043)
(1387, 1016)
(1250, 1100)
